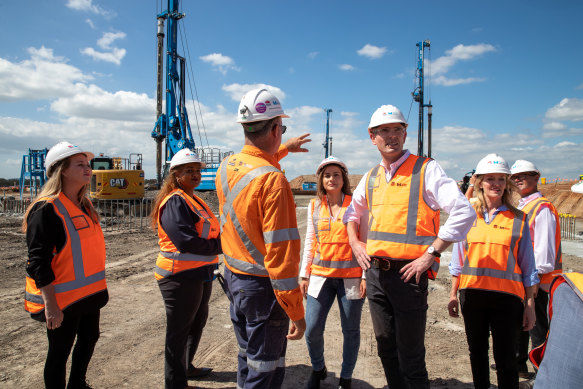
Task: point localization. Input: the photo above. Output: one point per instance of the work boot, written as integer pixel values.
(78, 385)
(316, 377)
(193, 373)
(345, 383)
(526, 384)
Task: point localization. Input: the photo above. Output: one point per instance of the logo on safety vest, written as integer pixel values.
(120, 183)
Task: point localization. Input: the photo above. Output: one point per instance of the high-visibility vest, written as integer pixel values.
(332, 255)
(79, 267)
(491, 252)
(575, 281)
(244, 246)
(401, 225)
(170, 260)
(531, 209)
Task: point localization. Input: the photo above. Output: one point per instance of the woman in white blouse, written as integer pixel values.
(329, 271)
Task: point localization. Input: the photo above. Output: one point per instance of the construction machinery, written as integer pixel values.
(32, 172)
(116, 178)
(419, 96)
(172, 126)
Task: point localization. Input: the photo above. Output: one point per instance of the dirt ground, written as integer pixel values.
(130, 352)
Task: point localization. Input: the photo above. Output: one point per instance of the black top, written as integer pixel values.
(178, 220)
(45, 233)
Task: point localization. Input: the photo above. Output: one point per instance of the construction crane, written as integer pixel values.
(419, 96)
(172, 127)
(328, 140)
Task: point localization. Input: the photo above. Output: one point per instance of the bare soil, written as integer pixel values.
(130, 352)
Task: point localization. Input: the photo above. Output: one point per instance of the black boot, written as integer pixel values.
(345, 383)
(316, 377)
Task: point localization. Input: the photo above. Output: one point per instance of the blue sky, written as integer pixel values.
(503, 76)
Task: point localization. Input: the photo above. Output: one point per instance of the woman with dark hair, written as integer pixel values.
(65, 271)
(495, 273)
(330, 271)
(189, 242)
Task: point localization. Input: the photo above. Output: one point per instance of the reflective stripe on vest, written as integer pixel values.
(532, 209)
(94, 283)
(508, 280)
(269, 236)
(341, 263)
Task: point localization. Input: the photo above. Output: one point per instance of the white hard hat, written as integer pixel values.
(522, 166)
(331, 161)
(61, 151)
(386, 114)
(492, 163)
(185, 156)
(259, 104)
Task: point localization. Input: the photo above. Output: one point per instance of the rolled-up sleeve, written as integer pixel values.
(442, 192)
(526, 258)
(457, 256)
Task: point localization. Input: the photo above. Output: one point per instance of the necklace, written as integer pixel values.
(330, 207)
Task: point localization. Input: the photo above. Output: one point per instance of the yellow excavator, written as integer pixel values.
(116, 178)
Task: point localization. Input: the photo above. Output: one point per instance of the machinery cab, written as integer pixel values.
(116, 178)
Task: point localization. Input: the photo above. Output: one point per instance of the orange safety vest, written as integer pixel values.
(171, 261)
(79, 267)
(332, 255)
(531, 209)
(575, 281)
(401, 225)
(491, 252)
(259, 233)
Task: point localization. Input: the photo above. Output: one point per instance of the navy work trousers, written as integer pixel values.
(186, 301)
(399, 313)
(261, 326)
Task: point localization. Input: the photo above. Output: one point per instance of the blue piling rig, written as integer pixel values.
(172, 126)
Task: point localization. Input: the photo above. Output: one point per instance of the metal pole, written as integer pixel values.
(159, 84)
(327, 140)
(429, 117)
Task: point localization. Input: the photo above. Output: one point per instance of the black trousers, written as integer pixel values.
(399, 313)
(86, 329)
(186, 301)
(502, 314)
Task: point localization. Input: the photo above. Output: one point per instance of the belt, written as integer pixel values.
(386, 264)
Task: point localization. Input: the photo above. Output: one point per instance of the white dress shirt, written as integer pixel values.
(542, 232)
(439, 192)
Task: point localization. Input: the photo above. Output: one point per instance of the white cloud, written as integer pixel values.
(570, 109)
(442, 65)
(87, 6)
(220, 62)
(372, 52)
(42, 76)
(565, 144)
(580, 86)
(313, 54)
(110, 53)
(554, 126)
(90, 23)
(346, 67)
(236, 91)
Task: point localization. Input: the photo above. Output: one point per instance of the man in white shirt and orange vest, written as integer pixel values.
(261, 243)
(403, 197)
(544, 225)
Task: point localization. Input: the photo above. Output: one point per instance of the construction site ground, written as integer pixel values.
(130, 352)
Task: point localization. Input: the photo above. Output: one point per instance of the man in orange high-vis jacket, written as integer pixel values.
(402, 197)
(261, 243)
(545, 232)
(560, 357)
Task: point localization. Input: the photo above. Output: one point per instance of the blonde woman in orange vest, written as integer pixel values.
(330, 271)
(65, 271)
(189, 242)
(495, 273)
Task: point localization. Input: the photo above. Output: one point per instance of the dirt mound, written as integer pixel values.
(562, 197)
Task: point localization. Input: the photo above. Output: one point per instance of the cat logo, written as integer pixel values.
(120, 183)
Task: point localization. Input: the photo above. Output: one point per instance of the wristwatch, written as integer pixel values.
(431, 250)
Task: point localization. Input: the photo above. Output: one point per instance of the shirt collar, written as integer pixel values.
(525, 200)
(257, 152)
(496, 212)
(395, 165)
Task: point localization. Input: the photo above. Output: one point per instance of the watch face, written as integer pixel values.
(431, 249)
